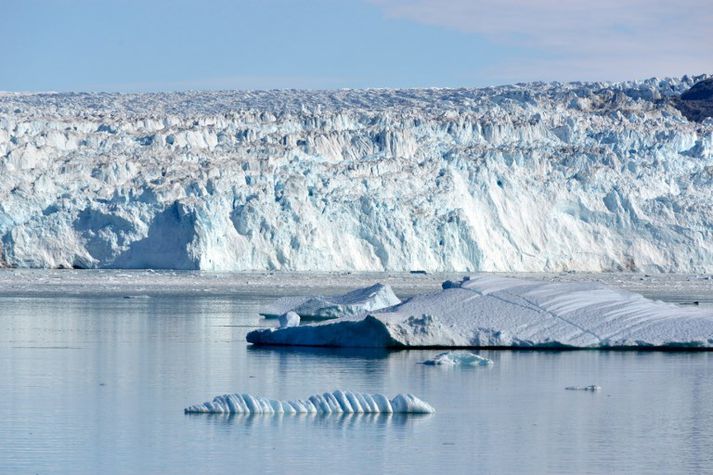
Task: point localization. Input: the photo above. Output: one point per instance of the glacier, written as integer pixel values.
(527, 177)
(490, 311)
(335, 402)
(356, 302)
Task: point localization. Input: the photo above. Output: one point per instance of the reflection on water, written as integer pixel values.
(318, 352)
(333, 421)
(98, 385)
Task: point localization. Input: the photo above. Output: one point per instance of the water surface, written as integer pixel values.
(97, 384)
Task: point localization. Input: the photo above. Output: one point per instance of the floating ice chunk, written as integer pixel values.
(492, 311)
(408, 403)
(592, 387)
(289, 319)
(356, 302)
(328, 403)
(458, 358)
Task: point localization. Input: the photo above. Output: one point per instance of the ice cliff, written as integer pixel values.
(533, 177)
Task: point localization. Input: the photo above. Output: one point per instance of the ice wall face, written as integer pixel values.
(539, 177)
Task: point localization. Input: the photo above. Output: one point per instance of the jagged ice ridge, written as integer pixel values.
(530, 177)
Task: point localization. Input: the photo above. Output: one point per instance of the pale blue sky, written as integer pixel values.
(132, 45)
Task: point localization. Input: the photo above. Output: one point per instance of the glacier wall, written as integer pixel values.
(533, 177)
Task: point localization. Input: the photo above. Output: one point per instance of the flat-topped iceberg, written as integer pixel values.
(328, 403)
(458, 358)
(356, 302)
(492, 311)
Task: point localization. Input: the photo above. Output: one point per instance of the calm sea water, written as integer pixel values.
(98, 385)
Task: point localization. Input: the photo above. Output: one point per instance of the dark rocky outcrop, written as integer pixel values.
(697, 103)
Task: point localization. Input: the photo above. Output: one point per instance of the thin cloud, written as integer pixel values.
(602, 39)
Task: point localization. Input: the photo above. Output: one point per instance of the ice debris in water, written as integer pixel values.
(458, 358)
(328, 403)
(289, 319)
(592, 387)
(356, 302)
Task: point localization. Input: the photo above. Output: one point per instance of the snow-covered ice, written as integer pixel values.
(328, 403)
(528, 177)
(289, 319)
(458, 358)
(356, 302)
(494, 311)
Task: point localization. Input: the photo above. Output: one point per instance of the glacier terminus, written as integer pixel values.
(529, 177)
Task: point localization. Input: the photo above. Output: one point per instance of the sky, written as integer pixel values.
(167, 45)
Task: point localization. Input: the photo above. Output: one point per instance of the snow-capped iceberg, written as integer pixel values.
(492, 311)
(328, 403)
(356, 302)
(458, 358)
(529, 177)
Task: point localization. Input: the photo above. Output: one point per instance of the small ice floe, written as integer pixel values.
(336, 402)
(458, 358)
(592, 387)
(289, 319)
(356, 302)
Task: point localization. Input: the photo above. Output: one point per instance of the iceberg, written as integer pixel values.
(328, 403)
(356, 302)
(542, 177)
(489, 311)
(458, 358)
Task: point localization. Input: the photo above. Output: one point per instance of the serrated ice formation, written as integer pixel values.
(533, 177)
(491, 311)
(336, 402)
(356, 302)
